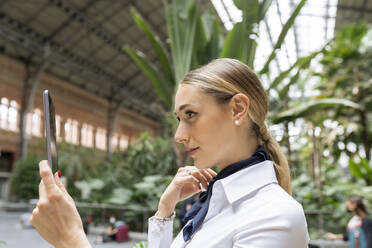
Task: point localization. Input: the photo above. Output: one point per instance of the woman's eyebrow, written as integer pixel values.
(182, 107)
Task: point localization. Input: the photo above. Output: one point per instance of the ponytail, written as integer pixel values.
(276, 154)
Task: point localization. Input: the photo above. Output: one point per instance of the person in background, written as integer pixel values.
(359, 228)
(110, 233)
(86, 222)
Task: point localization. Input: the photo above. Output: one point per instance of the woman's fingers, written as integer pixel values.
(211, 172)
(206, 175)
(202, 176)
(47, 177)
(198, 175)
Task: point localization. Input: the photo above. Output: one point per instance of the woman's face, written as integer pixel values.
(351, 206)
(203, 125)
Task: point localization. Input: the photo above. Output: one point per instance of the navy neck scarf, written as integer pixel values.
(199, 210)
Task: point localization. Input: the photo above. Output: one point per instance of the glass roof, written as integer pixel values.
(313, 27)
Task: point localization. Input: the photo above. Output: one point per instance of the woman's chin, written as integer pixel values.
(202, 165)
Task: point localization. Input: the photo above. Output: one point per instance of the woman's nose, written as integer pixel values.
(181, 134)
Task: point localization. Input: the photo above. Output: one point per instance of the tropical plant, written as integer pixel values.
(141, 245)
(134, 179)
(196, 38)
(344, 94)
(25, 178)
(361, 170)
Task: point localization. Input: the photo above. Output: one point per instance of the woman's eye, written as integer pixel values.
(190, 114)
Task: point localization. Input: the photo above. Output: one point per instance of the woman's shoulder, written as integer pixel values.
(273, 213)
(280, 202)
(273, 203)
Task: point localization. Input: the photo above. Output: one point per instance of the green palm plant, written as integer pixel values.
(196, 37)
(345, 94)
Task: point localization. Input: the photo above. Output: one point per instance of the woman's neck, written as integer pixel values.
(241, 151)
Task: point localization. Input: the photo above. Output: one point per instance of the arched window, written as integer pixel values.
(87, 135)
(58, 128)
(13, 116)
(101, 138)
(36, 123)
(115, 142)
(4, 113)
(71, 131)
(33, 123)
(123, 142)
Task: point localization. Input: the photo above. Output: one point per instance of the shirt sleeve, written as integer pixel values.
(160, 232)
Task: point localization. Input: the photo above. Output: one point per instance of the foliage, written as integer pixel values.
(361, 170)
(333, 122)
(134, 179)
(337, 188)
(74, 162)
(196, 37)
(307, 109)
(141, 245)
(25, 178)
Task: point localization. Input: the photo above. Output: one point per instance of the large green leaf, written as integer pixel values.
(207, 44)
(302, 63)
(264, 6)
(282, 36)
(240, 42)
(355, 169)
(156, 43)
(367, 168)
(182, 17)
(152, 74)
(312, 106)
(283, 92)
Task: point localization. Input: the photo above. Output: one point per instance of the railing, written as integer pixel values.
(320, 228)
(28, 206)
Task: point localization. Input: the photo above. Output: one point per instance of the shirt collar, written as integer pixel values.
(248, 180)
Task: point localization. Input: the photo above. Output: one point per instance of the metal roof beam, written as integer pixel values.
(326, 19)
(281, 22)
(363, 7)
(295, 32)
(29, 37)
(272, 44)
(97, 30)
(66, 23)
(353, 8)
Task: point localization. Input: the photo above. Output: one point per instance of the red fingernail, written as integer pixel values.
(59, 173)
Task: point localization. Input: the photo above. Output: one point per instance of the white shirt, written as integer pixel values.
(247, 209)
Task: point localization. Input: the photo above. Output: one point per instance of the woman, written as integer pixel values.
(359, 228)
(221, 108)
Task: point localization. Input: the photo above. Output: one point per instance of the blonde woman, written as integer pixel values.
(221, 108)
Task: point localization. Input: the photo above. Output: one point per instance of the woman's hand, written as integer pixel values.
(187, 182)
(55, 216)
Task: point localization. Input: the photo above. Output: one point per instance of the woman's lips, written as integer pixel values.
(193, 151)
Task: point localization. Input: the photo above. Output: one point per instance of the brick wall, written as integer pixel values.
(69, 101)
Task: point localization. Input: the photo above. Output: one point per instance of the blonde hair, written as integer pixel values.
(224, 78)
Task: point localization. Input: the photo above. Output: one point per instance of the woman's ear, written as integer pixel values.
(239, 105)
